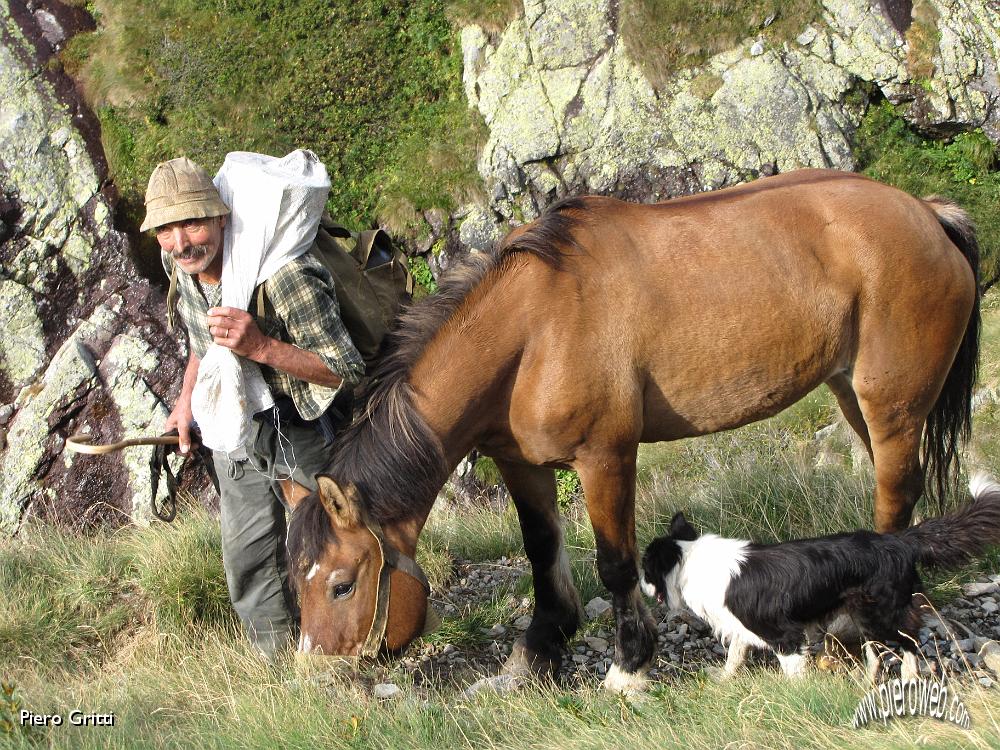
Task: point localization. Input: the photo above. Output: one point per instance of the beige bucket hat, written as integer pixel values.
(179, 189)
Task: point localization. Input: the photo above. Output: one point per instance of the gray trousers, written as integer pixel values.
(254, 527)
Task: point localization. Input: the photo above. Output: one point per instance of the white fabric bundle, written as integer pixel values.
(276, 206)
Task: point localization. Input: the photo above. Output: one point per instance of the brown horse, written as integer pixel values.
(605, 324)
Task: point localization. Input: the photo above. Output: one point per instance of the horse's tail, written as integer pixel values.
(951, 541)
(950, 421)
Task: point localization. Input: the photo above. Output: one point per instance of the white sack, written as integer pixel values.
(276, 206)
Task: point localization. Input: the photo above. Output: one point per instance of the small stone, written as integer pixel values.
(522, 623)
(986, 682)
(580, 658)
(503, 683)
(989, 607)
(598, 644)
(990, 655)
(497, 631)
(980, 589)
(386, 690)
(6, 411)
(757, 48)
(682, 629)
(966, 644)
(806, 37)
(597, 607)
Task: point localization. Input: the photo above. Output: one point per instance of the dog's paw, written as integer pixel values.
(627, 683)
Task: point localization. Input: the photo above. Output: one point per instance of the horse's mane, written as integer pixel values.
(388, 452)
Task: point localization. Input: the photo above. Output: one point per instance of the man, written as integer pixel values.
(307, 359)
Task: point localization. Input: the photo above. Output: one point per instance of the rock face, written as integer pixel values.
(83, 344)
(569, 111)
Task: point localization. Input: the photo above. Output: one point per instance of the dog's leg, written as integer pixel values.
(735, 658)
(793, 665)
(909, 670)
(873, 663)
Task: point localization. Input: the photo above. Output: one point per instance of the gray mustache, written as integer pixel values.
(195, 251)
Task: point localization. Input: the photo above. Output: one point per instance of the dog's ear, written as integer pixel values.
(681, 529)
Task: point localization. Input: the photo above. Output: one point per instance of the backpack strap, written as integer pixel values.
(261, 300)
(172, 297)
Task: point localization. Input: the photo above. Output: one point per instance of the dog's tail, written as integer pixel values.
(951, 541)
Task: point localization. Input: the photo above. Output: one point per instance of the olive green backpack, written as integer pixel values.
(370, 275)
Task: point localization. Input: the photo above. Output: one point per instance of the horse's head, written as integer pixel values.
(359, 595)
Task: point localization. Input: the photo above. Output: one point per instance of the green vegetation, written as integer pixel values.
(963, 168)
(373, 87)
(422, 278)
(664, 36)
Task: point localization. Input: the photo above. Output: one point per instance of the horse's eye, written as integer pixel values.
(343, 590)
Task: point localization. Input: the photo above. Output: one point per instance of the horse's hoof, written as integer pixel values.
(523, 663)
(501, 683)
(626, 683)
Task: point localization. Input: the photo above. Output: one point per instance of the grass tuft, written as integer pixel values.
(179, 569)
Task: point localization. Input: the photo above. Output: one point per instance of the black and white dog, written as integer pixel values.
(766, 595)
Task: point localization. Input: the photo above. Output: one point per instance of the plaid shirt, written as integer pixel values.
(301, 309)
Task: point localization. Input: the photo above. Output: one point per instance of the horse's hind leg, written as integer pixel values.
(890, 425)
(609, 486)
(840, 386)
(895, 431)
(558, 610)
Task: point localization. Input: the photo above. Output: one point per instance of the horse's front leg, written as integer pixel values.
(608, 483)
(558, 610)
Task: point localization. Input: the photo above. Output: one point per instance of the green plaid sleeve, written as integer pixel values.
(304, 299)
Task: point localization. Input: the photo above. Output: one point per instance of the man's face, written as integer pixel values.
(194, 243)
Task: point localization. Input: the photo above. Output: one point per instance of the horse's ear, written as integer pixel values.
(342, 503)
(681, 529)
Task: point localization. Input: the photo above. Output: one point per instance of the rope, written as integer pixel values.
(81, 443)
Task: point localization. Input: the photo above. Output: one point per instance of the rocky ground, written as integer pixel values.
(961, 640)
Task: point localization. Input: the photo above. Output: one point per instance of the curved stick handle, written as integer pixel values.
(84, 443)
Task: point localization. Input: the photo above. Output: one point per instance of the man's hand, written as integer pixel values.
(237, 330)
(181, 419)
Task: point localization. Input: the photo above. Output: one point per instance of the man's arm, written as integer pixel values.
(237, 330)
(181, 417)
